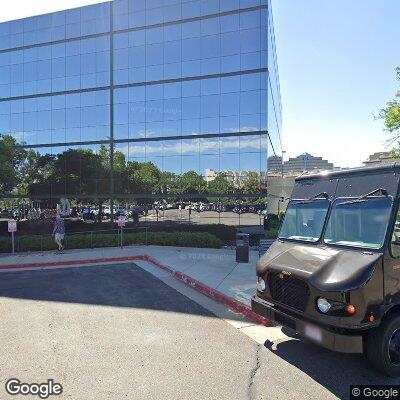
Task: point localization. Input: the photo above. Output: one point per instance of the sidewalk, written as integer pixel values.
(214, 272)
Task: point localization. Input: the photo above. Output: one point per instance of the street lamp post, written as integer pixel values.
(305, 159)
(282, 179)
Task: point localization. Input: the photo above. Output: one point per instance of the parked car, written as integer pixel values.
(5, 214)
(143, 209)
(251, 209)
(181, 204)
(204, 207)
(16, 213)
(106, 211)
(120, 210)
(139, 210)
(240, 209)
(88, 214)
(219, 207)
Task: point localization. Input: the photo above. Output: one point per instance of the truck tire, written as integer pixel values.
(383, 346)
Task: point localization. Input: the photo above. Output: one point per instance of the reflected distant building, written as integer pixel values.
(210, 175)
(185, 85)
(234, 177)
(304, 162)
(382, 157)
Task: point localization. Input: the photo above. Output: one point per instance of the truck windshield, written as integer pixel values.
(359, 223)
(304, 220)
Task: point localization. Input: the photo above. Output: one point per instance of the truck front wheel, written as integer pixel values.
(383, 346)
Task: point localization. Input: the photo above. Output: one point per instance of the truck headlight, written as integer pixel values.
(261, 284)
(323, 305)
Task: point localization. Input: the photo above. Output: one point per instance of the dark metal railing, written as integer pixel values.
(77, 240)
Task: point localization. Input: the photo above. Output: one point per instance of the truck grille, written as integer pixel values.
(288, 290)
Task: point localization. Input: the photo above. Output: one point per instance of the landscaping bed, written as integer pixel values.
(112, 239)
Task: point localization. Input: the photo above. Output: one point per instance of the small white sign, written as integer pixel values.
(12, 225)
(121, 221)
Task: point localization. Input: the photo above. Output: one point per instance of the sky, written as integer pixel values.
(337, 64)
(16, 9)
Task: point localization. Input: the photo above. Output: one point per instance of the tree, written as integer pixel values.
(221, 185)
(167, 183)
(251, 183)
(36, 168)
(191, 183)
(391, 115)
(143, 177)
(11, 161)
(75, 171)
(120, 168)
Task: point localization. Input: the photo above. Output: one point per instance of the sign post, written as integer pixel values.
(121, 221)
(12, 228)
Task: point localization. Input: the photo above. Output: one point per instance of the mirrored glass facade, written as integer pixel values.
(142, 99)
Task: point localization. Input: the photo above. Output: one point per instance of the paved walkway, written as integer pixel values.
(215, 268)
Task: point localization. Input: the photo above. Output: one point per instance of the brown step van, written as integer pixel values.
(333, 274)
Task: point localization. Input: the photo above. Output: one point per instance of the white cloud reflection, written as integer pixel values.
(192, 146)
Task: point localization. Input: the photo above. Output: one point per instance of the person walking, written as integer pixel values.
(59, 232)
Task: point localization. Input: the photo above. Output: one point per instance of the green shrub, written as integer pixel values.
(272, 233)
(5, 245)
(98, 239)
(273, 221)
(226, 233)
(181, 239)
(35, 243)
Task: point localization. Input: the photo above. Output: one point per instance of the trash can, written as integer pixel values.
(242, 248)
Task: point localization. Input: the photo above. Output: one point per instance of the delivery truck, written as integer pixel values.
(333, 274)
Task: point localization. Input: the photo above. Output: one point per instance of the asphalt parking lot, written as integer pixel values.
(207, 217)
(115, 332)
(250, 220)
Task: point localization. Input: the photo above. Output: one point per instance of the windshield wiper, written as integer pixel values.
(319, 196)
(384, 192)
(322, 195)
(364, 197)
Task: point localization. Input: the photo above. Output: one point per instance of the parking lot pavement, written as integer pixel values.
(206, 217)
(215, 268)
(113, 332)
(117, 332)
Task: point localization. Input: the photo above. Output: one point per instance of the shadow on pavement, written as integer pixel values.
(129, 286)
(124, 285)
(335, 371)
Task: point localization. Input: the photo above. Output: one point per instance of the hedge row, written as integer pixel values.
(225, 233)
(84, 241)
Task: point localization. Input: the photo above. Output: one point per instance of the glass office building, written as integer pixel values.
(142, 99)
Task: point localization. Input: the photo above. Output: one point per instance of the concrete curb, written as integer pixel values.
(233, 304)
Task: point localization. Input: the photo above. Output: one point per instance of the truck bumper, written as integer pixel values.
(343, 343)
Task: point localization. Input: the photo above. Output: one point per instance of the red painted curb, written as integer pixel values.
(233, 304)
(214, 294)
